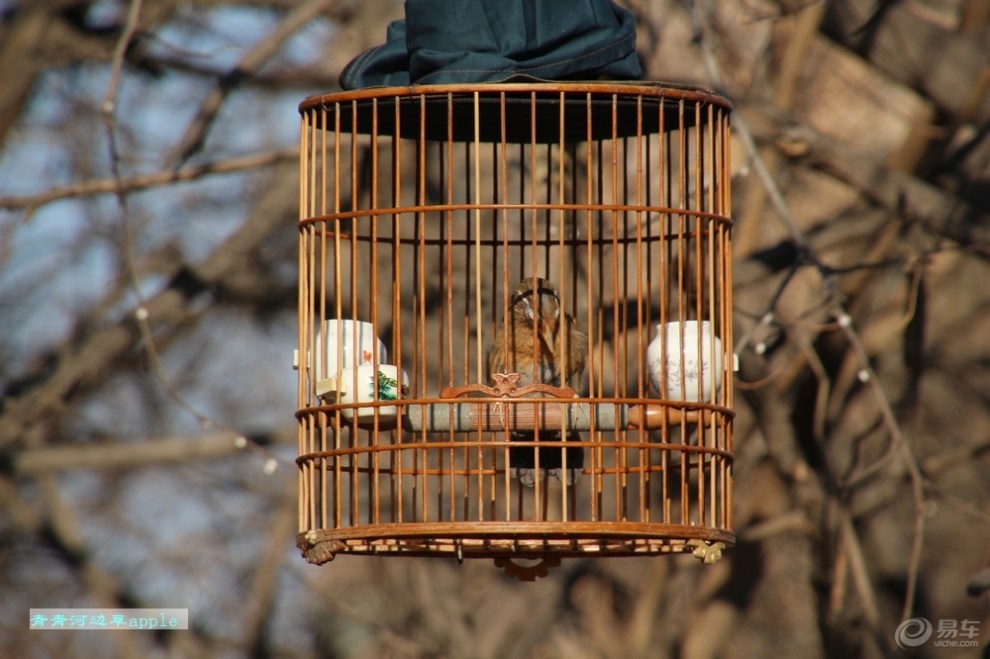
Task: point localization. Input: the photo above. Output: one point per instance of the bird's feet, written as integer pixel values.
(527, 477)
(569, 474)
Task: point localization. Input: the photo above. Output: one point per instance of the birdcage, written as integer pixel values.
(583, 230)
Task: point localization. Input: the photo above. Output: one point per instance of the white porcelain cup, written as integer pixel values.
(692, 373)
(366, 384)
(345, 344)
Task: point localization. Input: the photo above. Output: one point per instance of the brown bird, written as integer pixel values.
(542, 345)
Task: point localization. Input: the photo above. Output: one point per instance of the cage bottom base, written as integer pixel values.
(508, 540)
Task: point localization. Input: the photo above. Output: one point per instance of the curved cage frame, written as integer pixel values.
(420, 210)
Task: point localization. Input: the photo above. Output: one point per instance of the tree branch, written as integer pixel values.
(131, 455)
(145, 181)
(21, 416)
(253, 60)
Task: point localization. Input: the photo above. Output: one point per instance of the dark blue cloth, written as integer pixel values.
(462, 41)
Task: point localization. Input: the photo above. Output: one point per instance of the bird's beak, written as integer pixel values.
(548, 308)
(547, 336)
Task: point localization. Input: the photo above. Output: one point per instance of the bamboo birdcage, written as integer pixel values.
(421, 209)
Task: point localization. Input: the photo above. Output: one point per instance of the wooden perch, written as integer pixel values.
(548, 415)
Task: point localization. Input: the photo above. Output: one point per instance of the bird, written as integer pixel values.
(542, 345)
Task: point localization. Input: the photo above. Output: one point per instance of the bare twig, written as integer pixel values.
(146, 181)
(127, 233)
(852, 550)
(844, 319)
(141, 312)
(253, 60)
(127, 455)
(907, 456)
(260, 600)
(103, 347)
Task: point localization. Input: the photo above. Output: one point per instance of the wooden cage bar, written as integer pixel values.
(423, 212)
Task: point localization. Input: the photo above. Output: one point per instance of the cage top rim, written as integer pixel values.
(654, 89)
(513, 112)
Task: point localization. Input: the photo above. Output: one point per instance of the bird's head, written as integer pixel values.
(536, 298)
